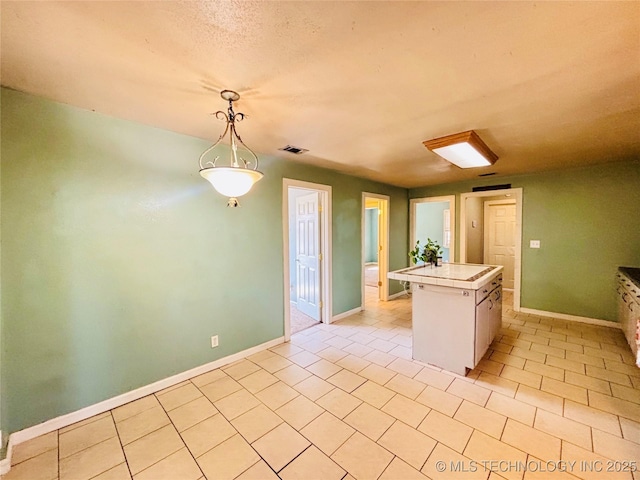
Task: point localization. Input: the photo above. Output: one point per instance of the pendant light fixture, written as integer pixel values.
(465, 150)
(238, 176)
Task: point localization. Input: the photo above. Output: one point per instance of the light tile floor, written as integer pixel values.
(346, 401)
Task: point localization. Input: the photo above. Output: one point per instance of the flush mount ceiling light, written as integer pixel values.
(466, 150)
(236, 178)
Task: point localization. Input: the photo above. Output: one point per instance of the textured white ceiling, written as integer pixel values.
(359, 84)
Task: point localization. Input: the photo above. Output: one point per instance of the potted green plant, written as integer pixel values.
(427, 254)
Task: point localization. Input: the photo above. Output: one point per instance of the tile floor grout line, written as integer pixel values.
(389, 464)
(126, 461)
(386, 430)
(298, 455)
(171, 388)
(184, 444)
(58, 462)
(221, 398)
(267, 432)
(135, 415)
(95, 419)
(87, 448)
(265, 460)
(136, 439)
(427, 459)
(504, 427)
(107, 470)
(251, 466)
(204, 385)
(207, 451)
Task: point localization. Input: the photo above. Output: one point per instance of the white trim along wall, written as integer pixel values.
(346, 314)
(572, 318)
(111, 403)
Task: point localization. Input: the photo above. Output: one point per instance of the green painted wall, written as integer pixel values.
(430, 224)
(588, 222)
(371, 235)
(119, 261)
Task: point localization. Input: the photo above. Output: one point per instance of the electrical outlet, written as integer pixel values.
(214, 341)
(534, 244)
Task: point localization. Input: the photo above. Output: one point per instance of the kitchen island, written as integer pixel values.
(629, 307)
(457, 311)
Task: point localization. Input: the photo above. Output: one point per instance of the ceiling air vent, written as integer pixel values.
(504, 186)
(292, 149)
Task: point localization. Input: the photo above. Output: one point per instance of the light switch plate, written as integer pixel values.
(534, 244)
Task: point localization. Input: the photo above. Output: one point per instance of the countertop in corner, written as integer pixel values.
(633, 273)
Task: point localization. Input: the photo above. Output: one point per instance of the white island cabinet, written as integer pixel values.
(457, 311)
(629, 307)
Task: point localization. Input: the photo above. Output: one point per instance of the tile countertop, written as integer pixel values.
(457, 275)
(632, 273)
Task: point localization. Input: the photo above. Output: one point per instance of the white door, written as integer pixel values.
(308, 255)
(500, 238)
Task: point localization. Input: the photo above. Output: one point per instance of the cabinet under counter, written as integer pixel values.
(457, 311)
(628, 290)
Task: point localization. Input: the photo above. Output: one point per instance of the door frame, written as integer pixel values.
(324, 200)
(412, 220)
(383, 237)
(517, 270)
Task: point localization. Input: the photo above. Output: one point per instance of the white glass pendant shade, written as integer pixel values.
(231, 181)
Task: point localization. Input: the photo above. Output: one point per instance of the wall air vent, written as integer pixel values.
(292, 149)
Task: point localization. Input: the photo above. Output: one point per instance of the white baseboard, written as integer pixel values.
(573, 318)
(5, 465)
(399, 294)
(346, 314)
(111, 403)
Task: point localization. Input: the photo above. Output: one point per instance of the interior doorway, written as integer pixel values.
(491, 233)
(434, 218)
(307, 242)
(375, 248)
